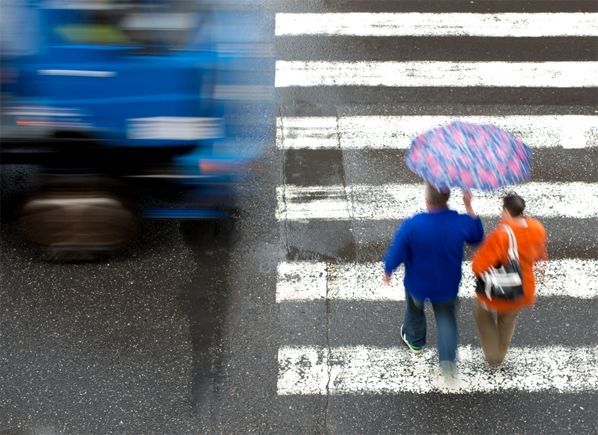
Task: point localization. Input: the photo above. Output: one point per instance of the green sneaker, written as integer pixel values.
(415, 348)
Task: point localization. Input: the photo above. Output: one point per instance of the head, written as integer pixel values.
(436, 199)
(512, 206)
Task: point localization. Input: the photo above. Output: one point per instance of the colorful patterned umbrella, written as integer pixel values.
(469, 156)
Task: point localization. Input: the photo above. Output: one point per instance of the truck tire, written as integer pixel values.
(77, 224)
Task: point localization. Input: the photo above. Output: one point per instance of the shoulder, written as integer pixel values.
(498, 235)
(417, 219)
(535, 227)
(465, 218)
(419, 216)
(405, 225)
(417, 222)
(534, 223)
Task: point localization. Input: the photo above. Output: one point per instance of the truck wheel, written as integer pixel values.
(71, 224)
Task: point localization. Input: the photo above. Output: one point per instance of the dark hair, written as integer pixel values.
(435, 197)
(514, 204)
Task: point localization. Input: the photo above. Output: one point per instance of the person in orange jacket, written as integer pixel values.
(495, 318)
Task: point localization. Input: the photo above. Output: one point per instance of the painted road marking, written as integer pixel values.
(312, 370)
(396, 132)
(398, 201)
(438, 24)
(437, 74)
(308, 281)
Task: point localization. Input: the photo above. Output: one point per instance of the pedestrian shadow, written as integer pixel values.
(205, 301)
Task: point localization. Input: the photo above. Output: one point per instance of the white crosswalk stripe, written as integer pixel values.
(369, 370)
(306, 280)
(398, 201)
(437, 74)
(438, 24)
(396, 132)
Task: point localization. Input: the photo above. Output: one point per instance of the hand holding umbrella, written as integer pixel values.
(467, 198)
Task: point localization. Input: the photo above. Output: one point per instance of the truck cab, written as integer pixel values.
(145, 109)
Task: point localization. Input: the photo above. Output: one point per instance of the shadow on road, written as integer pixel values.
(205, 301)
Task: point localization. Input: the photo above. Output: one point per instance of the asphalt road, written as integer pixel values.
(181, 333)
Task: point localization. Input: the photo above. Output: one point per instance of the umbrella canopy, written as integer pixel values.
(469, 156)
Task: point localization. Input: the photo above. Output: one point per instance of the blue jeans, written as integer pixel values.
(414, 326)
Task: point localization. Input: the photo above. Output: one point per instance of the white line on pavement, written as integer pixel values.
(305, 281)
(437, 74)
(311, 370)
(396, 132)
(398, 201)
(438, 24)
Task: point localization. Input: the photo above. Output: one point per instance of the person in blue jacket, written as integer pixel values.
(430, 245)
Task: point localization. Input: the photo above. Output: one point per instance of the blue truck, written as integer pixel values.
(129, 110)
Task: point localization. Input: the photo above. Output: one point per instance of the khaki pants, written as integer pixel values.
(495, 331)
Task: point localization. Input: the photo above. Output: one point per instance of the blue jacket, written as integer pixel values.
(431, 247)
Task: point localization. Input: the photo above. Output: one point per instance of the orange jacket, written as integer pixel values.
(531, 244)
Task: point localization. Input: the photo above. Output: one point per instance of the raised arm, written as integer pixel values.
(475, 229)
(467, 199)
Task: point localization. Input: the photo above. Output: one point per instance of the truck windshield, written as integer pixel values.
(157, 24)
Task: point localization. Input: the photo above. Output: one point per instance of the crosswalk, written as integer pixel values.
(345, 121)
(439, 24)
(398, 201)
(368, 370)
(430, 73)
(396, 132)
(319, 280)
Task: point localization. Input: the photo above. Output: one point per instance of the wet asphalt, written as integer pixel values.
(180, 333)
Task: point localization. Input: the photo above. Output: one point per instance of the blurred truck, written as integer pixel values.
(129, 110)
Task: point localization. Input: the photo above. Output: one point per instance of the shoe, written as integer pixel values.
(449, 376)
(415, 348)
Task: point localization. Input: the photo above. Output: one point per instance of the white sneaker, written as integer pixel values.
(449, 378)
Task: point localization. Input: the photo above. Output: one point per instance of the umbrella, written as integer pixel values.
(469, 156)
